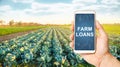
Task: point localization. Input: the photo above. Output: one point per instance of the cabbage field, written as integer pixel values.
(46, 47)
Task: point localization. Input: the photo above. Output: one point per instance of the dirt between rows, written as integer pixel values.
(14, 35)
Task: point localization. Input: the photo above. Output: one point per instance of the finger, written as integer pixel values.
(100, 29)
(72, 36)
(72, 44)
(72, 27)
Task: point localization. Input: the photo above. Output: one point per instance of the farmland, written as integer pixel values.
(113, 31)
(5, 30)
(45, 47)
(112, 28)
(48, 47)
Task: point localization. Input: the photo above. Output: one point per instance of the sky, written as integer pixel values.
(57, 11)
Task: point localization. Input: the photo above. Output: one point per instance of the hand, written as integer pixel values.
(101, 46)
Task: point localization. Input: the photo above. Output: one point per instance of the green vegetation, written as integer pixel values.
(48, 46)
(112, 28)
(113, 31)
(4, 30)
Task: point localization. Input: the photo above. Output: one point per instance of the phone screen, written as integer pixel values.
(84, 31)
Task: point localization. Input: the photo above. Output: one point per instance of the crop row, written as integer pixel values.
(47, 47)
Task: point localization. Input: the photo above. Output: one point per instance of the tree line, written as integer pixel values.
(18, 23)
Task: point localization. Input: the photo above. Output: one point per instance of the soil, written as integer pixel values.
(10, 36)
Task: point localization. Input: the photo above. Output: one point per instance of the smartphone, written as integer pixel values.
(84, 31)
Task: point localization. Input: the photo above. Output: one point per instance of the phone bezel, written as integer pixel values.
(85, 12)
